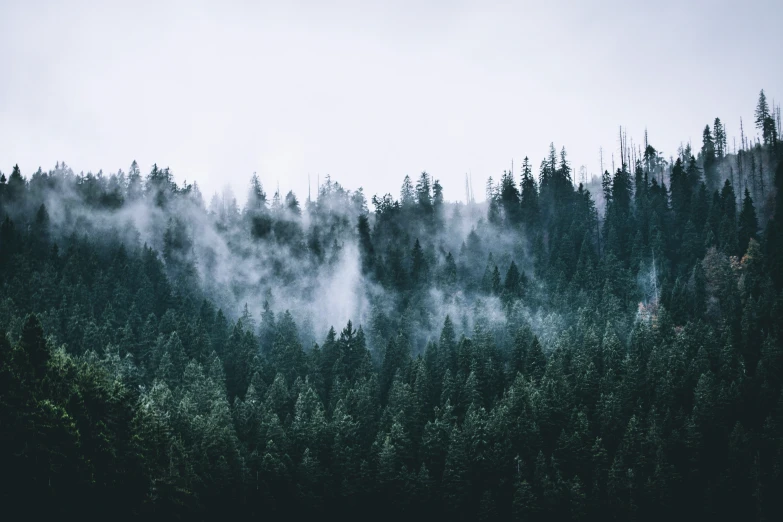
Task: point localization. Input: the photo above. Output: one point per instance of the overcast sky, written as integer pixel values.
(370, 91)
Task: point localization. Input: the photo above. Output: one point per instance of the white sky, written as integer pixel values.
(368, 92)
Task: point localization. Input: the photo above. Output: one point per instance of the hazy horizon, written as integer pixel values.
(367, 93)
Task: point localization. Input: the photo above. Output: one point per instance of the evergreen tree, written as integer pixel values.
(509, 198)
(764, 121)
(528, 197)
(365, 244)
(708, 156)
(774, 234)
(419, 267)
(748, 223)
(407, 194)
(720, 139)
(424, 193)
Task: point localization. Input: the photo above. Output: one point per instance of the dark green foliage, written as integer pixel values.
(748, 223)
(764, 120)
(550, 364)
(774, 234)
(708, 156)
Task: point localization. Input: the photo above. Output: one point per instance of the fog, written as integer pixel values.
(303, 257)
(369, 92)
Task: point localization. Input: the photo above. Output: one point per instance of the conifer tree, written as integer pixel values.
(407, 194)
(708, 155)
(748, 223)
(764, 121)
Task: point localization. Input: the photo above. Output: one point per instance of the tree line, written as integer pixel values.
(532, 358)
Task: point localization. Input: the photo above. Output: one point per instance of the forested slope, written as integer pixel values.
(530, 358)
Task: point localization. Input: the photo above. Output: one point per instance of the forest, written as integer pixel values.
(604, 349)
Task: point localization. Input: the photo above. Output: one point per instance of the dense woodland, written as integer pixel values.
(561, 351)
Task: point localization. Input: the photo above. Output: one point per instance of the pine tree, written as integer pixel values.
(256, 200)
(16, 184)
(708, 157)
(748, 223)
(424, 193)
(447, 348)
(536, 360)
(419, 266)
(764, 122)
(512, 282)
(509, 198)
(774, 234)
(407, 193)
(495, 281)
(33, 349)
(528, 197)
(292, 204)
(41, 230)
(366, 249)
(437, 204)
(720, 138)
(135, 187)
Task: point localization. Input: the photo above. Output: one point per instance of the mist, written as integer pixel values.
(573, 346)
